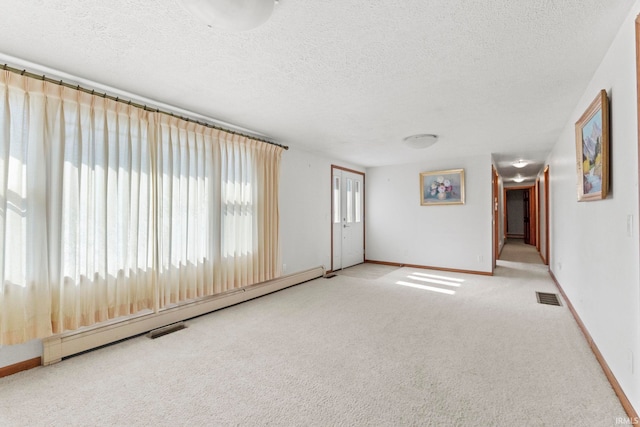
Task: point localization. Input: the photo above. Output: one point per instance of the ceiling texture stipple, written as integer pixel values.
(346, 79)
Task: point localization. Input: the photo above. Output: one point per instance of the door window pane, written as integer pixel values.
(358, 202)
(336, 199)
(349, 200)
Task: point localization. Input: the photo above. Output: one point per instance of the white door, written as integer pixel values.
(348, 218)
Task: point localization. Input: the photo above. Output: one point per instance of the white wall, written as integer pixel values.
(12, 354)
(400, 230)
(592, 255)
(305, 209)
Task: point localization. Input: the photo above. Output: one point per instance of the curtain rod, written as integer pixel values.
(130, 102)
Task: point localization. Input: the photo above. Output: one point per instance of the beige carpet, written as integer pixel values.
(515, 250)
(367, 271)
(413, 348)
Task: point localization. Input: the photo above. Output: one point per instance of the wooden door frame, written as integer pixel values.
(533, 216)
(547, 244)
(532, 210)
(538, 213)
(364, 192)
(526, 204)
(496, 217)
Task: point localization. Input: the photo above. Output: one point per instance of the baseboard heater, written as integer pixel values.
(59, 346)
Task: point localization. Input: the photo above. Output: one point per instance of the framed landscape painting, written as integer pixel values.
(442, 187)
(592, 150)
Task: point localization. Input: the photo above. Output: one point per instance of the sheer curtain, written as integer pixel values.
(101, 206)
(218, 211)
(187, 233)
(25, 310)
(250, 250)
(107, 209)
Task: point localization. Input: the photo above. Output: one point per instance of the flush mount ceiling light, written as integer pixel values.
(519, 164)
(231, 15)
(423, 140)
(518, 178)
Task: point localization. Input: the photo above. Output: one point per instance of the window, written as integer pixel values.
(127, 226)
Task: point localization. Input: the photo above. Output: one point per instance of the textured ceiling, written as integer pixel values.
(349, 79)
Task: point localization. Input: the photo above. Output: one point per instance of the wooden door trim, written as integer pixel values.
(504, 202)
(538, 213)
(546, 215)
(526, 215)
(496, 217)
(532, 216)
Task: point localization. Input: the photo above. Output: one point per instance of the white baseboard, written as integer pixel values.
(69, 343)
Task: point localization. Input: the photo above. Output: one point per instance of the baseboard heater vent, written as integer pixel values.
(547, 298)
(63, 345)
(157, 333)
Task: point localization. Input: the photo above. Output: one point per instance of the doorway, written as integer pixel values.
(495, 221)
(521, 227)
(347, 218)
(521, 214)
(544, 217)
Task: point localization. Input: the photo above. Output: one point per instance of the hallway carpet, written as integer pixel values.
(515, 250)
(411, 348)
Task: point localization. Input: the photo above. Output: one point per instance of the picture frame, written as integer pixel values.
(592, 150)
(445, 187)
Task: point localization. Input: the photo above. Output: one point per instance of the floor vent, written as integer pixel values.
(157, 333)
(547, 298)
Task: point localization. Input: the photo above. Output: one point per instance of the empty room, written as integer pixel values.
(275, 212)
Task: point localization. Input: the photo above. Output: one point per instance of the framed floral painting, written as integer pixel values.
(442, 187)
(592, 150)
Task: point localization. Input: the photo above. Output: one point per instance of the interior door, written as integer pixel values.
(348, 218)
(526, 209)
(533, 216)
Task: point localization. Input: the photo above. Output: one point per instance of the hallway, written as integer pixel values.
(515, 250)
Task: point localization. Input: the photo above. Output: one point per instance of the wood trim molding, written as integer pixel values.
(331, 218)
(20, 366)
(626, 404)
(547, 243)
(427, 267)
(347, 169)
(519, 187)
(538, 213)
(495, 217)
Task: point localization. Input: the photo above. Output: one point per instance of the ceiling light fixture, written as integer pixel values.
(518, 178)
(423, 140)
(519, 164)
(231, 15)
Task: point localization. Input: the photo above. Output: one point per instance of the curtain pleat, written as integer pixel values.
(107, 209)
(24, 296)
(106, 234)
